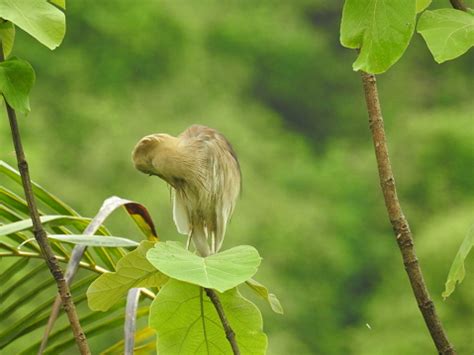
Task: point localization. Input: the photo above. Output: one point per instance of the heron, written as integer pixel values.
(204, 174)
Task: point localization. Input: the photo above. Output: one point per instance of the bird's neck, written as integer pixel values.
(177, 163)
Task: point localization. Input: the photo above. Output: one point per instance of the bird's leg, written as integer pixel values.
(213, 242)
(188, 241)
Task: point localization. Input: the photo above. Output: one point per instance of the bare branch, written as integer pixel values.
(229, 333)
(39, 232)
(399, 222)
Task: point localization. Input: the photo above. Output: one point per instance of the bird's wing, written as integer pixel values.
(180, 214)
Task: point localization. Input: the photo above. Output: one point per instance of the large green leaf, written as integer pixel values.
(40, 19)
(59, 3)
(380, 29)
(133, 270)
(94, 240)
(221, 271)
(7, 36)
(16, 80)
(186, 322)
(457, 271)
(422, 5)
(448, 32)
(262, 291)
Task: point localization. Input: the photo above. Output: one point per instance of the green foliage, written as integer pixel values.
(457, 270)
(271, 77)
(187, 322)
(7, 36)
(435, 243)
(59, 3)
(44, 196)
(380, 29)
(94, 241)
(262, 291)
(38, 18)
(26, 224)
(221, 271)
(421, 5)
(16, 80)
(25, 276)
(448, 33)
(133, 270)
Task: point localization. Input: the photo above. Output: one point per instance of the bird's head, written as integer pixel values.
(151, 153)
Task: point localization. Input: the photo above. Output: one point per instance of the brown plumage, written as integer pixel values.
(203, 171)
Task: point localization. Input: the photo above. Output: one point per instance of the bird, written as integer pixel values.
(204, 174)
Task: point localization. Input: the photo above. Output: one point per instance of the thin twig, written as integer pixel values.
(458, 4)
(399, 222)
(229, 333)
(39, 232)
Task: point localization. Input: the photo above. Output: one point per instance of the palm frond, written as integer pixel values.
(28, 291)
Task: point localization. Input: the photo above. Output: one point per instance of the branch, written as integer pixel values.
(458, 4)
(229, 333)
(39, 232)
(398, 220)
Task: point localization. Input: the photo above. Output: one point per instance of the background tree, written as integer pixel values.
(274, 79)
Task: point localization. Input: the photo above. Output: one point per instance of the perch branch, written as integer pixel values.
(39, 232)
(458, 4)
(229, 333)
(398, 220)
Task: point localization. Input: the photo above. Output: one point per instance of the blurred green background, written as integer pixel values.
(273, 78)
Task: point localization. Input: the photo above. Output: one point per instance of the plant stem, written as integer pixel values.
(398, 220)
(229, 333)
(458, 4)
(40, 234)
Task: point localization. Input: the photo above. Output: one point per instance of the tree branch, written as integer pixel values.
(458, 4)
(398, 220)
(229, 333)
(40, 234)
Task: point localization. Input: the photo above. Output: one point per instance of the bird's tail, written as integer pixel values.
(199, 238)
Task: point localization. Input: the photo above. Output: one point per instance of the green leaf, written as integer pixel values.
(94, 240)
(380, 29)
(448, 33)
(262, 291)
(457, 271)
(42, 194)
(59, 3)
(186, 322)
(7, 36)
(422, 5)
(16, 80)
(40, 19)
(135, 210)
(12, 200)
(54, 219)
(221, 271)
(133, 270)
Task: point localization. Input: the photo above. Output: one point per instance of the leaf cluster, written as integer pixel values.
(382, 30)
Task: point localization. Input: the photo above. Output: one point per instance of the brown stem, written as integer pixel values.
(458, 4)
(229, 333)
(39, 232)
(399, 222)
